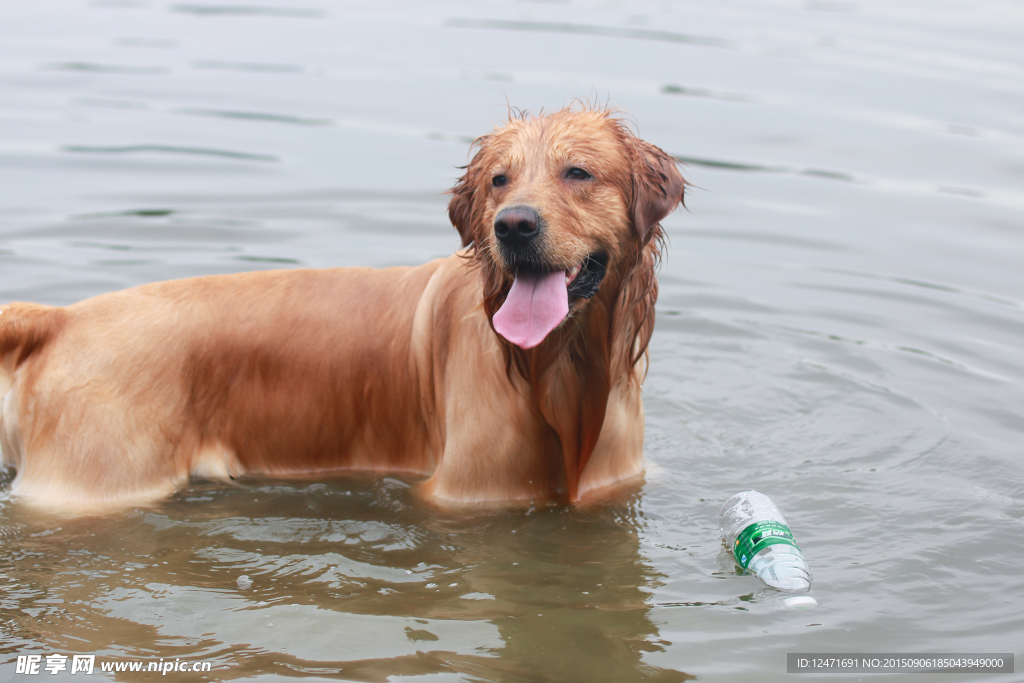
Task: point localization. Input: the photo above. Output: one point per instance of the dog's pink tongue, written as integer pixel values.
(535, 305)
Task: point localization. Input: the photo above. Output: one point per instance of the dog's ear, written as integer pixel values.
(658, 187)
(463, 209)
(460, 208)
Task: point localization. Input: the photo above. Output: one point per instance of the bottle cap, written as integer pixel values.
(801, 602)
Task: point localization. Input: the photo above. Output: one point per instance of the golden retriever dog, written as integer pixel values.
(509, 371)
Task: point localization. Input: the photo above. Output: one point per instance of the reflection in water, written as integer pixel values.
(351, 578)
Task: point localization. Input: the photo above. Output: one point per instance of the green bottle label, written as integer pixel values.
(759, 536)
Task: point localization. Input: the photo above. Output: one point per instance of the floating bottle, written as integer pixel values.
(757, 536)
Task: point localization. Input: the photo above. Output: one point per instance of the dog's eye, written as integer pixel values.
(499, 181)
(577, 174)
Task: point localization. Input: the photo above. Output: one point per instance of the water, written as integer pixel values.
(840, 327)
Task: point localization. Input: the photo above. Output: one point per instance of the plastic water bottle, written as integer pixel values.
(758, 537)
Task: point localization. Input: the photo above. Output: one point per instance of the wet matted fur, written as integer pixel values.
(119, 399)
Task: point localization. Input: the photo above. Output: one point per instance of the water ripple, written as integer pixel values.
(168, 149)
(960, 291)
(590, 29)
(257, 116)
(903, 186)
(766, 168)
(248, 10)
(887, 346)
(248, 66)
(129, 69)
(673, 89)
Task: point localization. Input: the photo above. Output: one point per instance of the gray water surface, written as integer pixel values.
(840, 327)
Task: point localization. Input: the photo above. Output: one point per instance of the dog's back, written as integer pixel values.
(121, 397)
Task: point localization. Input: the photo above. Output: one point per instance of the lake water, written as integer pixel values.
(840, 326)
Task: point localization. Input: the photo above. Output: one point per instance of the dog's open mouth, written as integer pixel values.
(540, 300)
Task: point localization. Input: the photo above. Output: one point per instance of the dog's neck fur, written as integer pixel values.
(573, 371)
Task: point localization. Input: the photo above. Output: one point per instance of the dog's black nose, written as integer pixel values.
(515, 226)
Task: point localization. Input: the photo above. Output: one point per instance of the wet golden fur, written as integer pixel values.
(118, 399)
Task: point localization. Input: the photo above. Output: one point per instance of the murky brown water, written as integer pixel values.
(840, 326)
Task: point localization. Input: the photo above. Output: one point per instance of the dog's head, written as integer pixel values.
(561, 212)
(559, 209)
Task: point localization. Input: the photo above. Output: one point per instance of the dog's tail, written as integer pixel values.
(24, 329)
